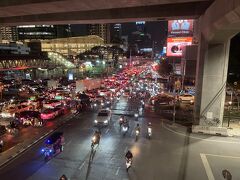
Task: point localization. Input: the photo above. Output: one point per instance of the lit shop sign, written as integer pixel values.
(140, 22)
(180, 28)
(175, 45)
(146, 50)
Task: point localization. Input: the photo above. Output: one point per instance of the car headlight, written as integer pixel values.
(106, 121)
(95, 121)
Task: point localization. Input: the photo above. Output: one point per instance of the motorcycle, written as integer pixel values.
(47, 153)
(124, 129)
(128, 163)
(137, 134)
(136, 116)
(149, 132)
(120, 122)
(94, 142)
(53, 145)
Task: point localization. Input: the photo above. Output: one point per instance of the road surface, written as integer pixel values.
(171, 154)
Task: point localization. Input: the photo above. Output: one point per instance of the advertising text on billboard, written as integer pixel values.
(175, 45)
(180, 28)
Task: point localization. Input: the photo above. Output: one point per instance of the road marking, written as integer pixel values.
(12, 147)
(132, 133)
(207, 167)
(223, 156)
(106, 131)
(126, 148)
(81, 165)
(117, 171)
(210, 140)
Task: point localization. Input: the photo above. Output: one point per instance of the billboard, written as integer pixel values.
(175, 45)
(180, 28)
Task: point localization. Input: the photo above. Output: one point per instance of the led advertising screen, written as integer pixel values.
(175, 45)
(180, 28)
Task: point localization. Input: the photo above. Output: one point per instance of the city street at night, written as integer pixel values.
(119, 90)
(169, 154)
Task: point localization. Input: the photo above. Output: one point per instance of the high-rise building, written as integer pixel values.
(140, 37)
(8, 33)
(39, 32)
(140, 25)
(116, 33)
(101, 30)
(63, 31)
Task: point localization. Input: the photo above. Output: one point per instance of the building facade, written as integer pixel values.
(116, 33)
(101, 30)
(40, 32)
(71, 46)
(8, 34)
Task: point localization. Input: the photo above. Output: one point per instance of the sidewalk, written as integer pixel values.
(234, 127)
(28, 137)
(233, 130)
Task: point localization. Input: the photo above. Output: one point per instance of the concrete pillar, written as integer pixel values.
(211, 77)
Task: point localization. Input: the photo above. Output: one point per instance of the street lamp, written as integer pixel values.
(174, 108)
(229, 111)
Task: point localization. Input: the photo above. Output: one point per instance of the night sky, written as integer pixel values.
(157, 30)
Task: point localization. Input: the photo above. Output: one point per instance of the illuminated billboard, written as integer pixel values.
(180, 28)
(175, 45)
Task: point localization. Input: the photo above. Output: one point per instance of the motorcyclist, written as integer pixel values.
(97, 134)
(1, 145)
(125, 122)
(149, 125)
(149, 129)
(63, 177)
(137, 128)
(121, 120)
(129, 157)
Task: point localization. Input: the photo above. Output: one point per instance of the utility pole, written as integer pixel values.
(130, 57)
(152, 50)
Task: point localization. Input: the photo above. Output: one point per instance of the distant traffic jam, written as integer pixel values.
(36, 103)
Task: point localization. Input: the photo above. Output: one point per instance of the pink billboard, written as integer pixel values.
(180, 28)
(175, 45)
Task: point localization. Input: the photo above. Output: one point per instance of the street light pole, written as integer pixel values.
(174, 107)
(229, 111)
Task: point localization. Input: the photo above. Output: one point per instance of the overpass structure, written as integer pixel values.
(218, 22)
(13, 12)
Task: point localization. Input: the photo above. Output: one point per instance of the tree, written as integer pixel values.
(165, 68)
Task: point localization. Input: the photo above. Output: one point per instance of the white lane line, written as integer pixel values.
(207, 167)
(82, 165)
(117, 171)
(223, 156)
(132, 133)
(126, 148)
(106, 131)
(210, 140)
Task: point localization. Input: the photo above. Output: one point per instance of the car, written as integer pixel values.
(48, 114)
(25, 117)
(103, 92)
(51, 104)
(2, 129)
(188, 98)
(59, 110)
(103, 118)
(10, 111)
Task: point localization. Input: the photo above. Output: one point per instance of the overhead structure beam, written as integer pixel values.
(128, 14)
